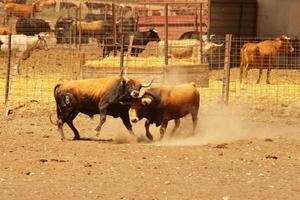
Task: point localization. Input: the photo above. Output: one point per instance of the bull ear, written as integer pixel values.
(146, 101)
(123, 82)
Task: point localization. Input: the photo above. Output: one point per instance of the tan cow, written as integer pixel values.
(5, 30)
(263, 55)
(188, 48)
(21, 10)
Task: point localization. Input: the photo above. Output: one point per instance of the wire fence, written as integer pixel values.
(75, 53)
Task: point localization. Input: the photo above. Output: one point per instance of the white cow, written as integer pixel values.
(188, 48)
(23, 46)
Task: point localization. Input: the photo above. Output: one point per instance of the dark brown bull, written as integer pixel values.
(159, 105)
(105, 96)
(263, 55)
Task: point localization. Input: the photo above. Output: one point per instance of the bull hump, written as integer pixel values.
(94, 88)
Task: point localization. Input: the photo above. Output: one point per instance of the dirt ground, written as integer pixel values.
(228, 158)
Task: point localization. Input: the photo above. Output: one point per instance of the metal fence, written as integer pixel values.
(74, 58)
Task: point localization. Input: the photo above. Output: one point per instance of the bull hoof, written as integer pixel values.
(268, 82)
(76, 138)
(150, 137)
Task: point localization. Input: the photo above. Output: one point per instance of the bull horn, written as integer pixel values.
(219, 45)
(147, 84)
(124, 103)
(52, 122)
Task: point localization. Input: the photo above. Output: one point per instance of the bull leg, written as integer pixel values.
(60, 124)
(148, 134)
(268, 76)
(163, 128)
(75, 131)
(177, 124)
(195, 121)
(259, 75)
(268, 71)
(102, 121)
(126, 122)
(102, 110)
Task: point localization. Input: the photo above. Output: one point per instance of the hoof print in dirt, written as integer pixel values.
(268, 140)
(271, 157)
(222, 146)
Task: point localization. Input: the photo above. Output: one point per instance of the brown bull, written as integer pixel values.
(159, 105)
(104, 96)
(21, 10)
(263, 55)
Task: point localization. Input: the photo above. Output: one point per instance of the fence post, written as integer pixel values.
(7, 85)
(129, 51)
(122, 70)
(57, 6)
(114, 28)
(81, 63)
(166, 47)
(80, 33)
(226, 75)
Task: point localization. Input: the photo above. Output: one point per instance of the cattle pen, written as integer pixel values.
(43, 69)
(240, 140)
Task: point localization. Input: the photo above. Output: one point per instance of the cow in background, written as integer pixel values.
(23, 46)
(263, 55)
(161, 104)
(31, 27)
(195, 35)
(21, 10)
(13, 1)
(5, 30)
(188, 48)
(89, 17)
(64, 30)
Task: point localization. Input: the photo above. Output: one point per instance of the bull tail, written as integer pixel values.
(52, 122)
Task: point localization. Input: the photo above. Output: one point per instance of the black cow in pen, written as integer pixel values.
(140, 40)
(31, 26)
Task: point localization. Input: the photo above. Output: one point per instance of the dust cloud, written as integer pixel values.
(222, 124)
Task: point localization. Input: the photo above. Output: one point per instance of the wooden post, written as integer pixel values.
(114, 28)
(201, 47)
(81, 64)
(79, 37)
(209, 19)
(226, 75)
(76, 28)
(197, 24)
(57, 6)
(122, 70)
(129, 51)
(7, 85)
(166, 47)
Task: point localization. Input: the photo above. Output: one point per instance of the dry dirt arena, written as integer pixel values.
(228, 158)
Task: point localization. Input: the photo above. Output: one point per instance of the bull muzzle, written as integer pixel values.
(134, 120)
(134, 94)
